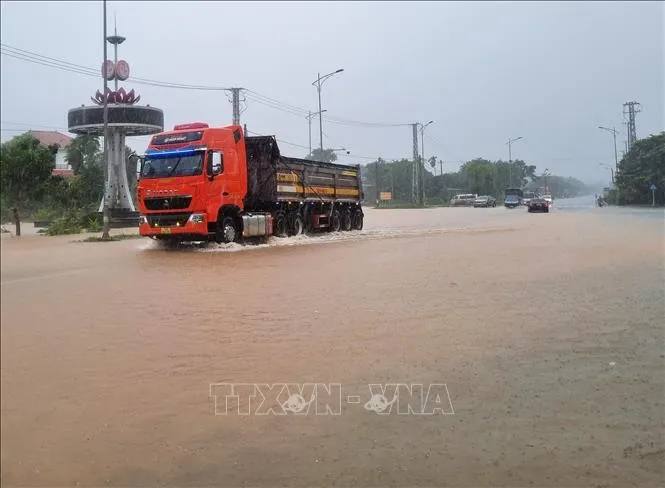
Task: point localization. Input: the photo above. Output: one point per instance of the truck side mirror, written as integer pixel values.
(215, 164)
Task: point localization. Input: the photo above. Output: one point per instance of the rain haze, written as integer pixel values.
(232, 316)
(484, 72)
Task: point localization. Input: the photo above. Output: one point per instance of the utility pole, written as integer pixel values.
(236, 105)
(630, 109)
(309, 122)
(421, 167)
(105, 210)
(421, 181)
(376, 182)
(309, 117)
(320, 116)
(414, 169)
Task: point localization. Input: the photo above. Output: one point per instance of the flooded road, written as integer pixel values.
(546, 331)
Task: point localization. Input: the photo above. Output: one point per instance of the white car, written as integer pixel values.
(527, 197)
(548, 199)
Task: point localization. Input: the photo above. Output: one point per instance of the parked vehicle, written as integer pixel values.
(538, 205)
(464, 200)
(485, 201)
(548, 198)
(199, 183)
(513, 197)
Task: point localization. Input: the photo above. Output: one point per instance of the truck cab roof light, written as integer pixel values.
(193, 125)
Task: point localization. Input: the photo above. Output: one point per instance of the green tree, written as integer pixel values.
(83, 151)
(641, 167)
(328, 155)
(480, 176)
(25, 169)
(86, 187)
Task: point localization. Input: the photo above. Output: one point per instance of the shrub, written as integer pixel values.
(69, 224)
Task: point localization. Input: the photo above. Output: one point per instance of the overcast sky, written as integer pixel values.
(484, 72)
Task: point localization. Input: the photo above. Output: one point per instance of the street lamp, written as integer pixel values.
(610, 168)
(546, 173)
(614, 135)
(510, 159)
(319, 81)
(421, 167)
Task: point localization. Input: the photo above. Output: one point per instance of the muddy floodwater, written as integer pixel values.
(545, 330)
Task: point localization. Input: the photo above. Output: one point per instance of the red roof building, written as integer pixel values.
(49, 138)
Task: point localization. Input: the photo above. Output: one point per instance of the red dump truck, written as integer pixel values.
(199, 183)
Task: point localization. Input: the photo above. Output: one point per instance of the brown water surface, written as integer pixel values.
(546, 329)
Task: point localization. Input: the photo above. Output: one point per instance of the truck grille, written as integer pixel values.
(167, 203)
(168, 220)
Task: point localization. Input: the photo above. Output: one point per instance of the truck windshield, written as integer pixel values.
(189, 165)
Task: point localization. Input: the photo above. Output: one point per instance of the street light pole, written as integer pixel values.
(510, 160)
(319, 81)
(105, 209)
(614, 136)
(610, 168)
(320, 115)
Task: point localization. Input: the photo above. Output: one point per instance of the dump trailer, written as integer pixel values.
(200, 183)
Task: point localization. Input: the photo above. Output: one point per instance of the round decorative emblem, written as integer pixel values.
(122, 70)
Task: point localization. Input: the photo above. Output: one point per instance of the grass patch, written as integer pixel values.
(117, 237)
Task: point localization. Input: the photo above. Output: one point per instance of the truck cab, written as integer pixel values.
(189, 178)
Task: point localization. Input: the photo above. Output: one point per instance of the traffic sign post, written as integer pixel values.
(653, 194)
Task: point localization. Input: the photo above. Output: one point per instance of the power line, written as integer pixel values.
(301, 111)
(39, 59)
(36, 58)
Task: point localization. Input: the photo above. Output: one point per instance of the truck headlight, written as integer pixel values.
(197, 218)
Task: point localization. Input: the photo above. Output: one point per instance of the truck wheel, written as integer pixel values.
(335, 221)
(280, 225)
(357, 220)
(297, 226)
(226, 231)
(346, 220)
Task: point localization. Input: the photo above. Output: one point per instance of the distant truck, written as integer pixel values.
(513, 197)
(198, 183)
(527, 197)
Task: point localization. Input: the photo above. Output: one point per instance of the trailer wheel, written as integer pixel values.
(296, 226)
(346, 220)
(357, 220)
(280, 225)
(226, 231)
(335, 223)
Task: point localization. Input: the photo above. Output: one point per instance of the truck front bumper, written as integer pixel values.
(180, 226)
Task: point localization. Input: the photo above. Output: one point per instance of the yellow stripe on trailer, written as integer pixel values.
(322, 190)
(349, 173)
(347, 192)
(287, 177)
